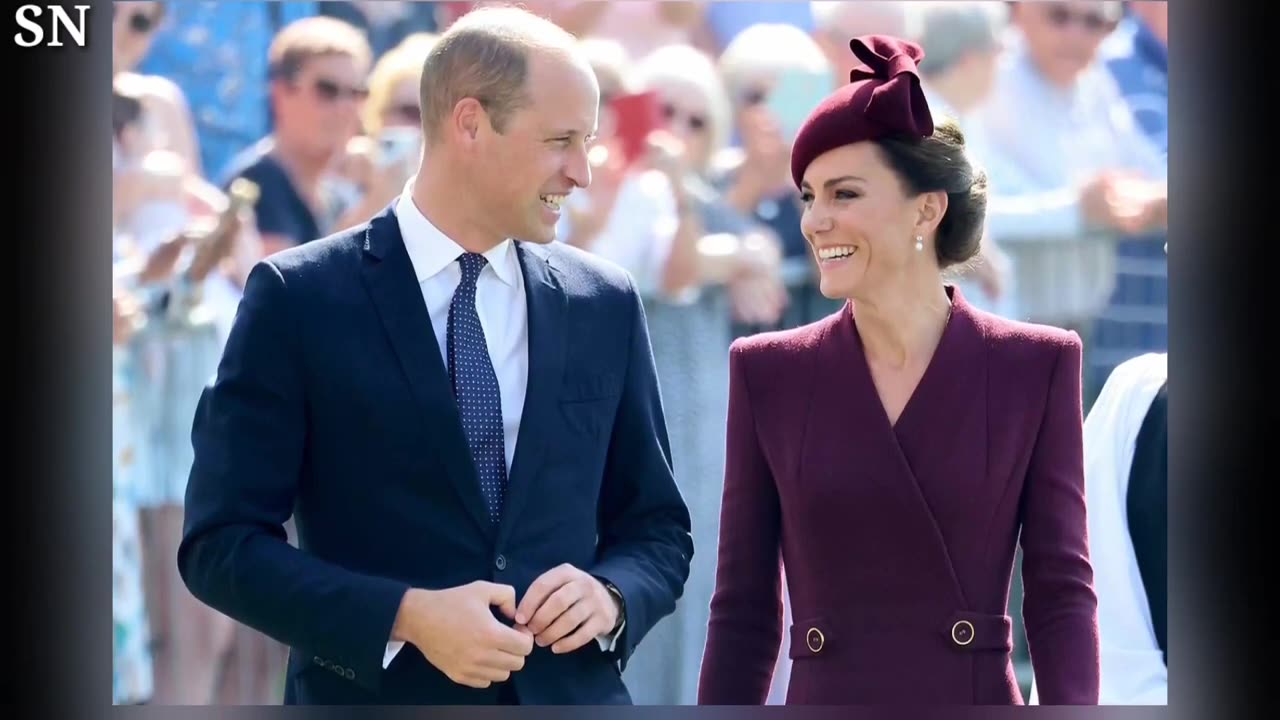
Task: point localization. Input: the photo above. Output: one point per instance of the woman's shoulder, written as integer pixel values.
(1011, 334)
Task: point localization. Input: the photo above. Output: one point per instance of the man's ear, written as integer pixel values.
(466, 121)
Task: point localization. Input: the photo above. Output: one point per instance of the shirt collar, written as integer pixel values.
(431, 251)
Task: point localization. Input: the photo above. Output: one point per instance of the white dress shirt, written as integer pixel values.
(503, 311)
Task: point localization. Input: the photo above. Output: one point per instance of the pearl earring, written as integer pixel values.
(919, 243)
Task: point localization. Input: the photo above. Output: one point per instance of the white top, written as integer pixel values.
(500, 303)
(1132, 666)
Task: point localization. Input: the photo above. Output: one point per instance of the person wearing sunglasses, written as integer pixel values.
(169, 125)
(1135, 321)
(1072, 173)
(378, 162)
(319, 68)
(774, 75)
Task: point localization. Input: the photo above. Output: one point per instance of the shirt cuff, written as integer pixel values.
(609, 641)
(393, 648)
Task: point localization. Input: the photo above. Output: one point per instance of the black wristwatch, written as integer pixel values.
(622, 605)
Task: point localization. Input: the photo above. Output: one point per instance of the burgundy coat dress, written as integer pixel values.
(899, 540)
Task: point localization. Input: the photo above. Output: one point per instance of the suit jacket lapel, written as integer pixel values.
(393, 286)
(548, 306)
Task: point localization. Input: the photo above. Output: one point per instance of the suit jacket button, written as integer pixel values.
(500, 563)
(318, 660)
(338, 669)
(815, 640)
(350, 674)
(962, 632)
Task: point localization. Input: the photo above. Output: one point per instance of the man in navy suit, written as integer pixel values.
(467, 430)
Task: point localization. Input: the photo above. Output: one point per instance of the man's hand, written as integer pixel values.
(456, 631)
(566, 608)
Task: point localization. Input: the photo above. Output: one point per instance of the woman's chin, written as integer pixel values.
(837, 285)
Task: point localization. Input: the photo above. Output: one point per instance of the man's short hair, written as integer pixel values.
(485, 55)
(314, 37)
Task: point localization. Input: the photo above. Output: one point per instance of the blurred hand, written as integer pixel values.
(456, 631)
(768, 158)
(667, 156)
(990, 272)
(565, 608)
(379, 182)
(125, 316)
(757, 293)
(757, 299)
(160, 264)
(215, 245)
(1121, 201)
(246, 251)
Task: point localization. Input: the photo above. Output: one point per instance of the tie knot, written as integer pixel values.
(472, 264)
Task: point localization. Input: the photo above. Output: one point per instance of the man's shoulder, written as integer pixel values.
(337, 252)
(582, 271)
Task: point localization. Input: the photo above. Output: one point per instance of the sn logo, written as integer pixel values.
(28, 17)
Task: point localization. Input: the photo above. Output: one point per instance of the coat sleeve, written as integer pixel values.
(646, 539)
(249, 440)
(745, 629)
(1060, 607)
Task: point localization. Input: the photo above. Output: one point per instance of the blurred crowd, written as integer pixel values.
(243, 128)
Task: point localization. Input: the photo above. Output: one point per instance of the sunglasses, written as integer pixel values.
(694, 121)
(141, 23)
(1062, 17)
(754, 97)
(331, 91)
(406, 111)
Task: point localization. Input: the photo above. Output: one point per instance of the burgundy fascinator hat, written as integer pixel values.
(884, 99)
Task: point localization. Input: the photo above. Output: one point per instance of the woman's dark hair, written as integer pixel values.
(125, 111)
(939, 162)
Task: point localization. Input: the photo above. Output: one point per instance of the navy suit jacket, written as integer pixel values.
(332, 406)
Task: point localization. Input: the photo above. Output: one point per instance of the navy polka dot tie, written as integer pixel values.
(476, 387)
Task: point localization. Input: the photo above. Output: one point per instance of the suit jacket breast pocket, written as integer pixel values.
(587, 403)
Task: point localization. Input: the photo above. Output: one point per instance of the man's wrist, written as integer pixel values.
(399, 630)
(618, 603)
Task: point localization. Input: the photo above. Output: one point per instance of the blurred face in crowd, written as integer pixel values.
(1155, 15)
(851, 19)
(133, 28)
(685, 112)
(859, 220)
(404, 106)
(1063, 37)
(525, 172)
(319, 107)
(978, 70)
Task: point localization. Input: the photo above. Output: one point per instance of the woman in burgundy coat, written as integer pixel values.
(894, 454)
